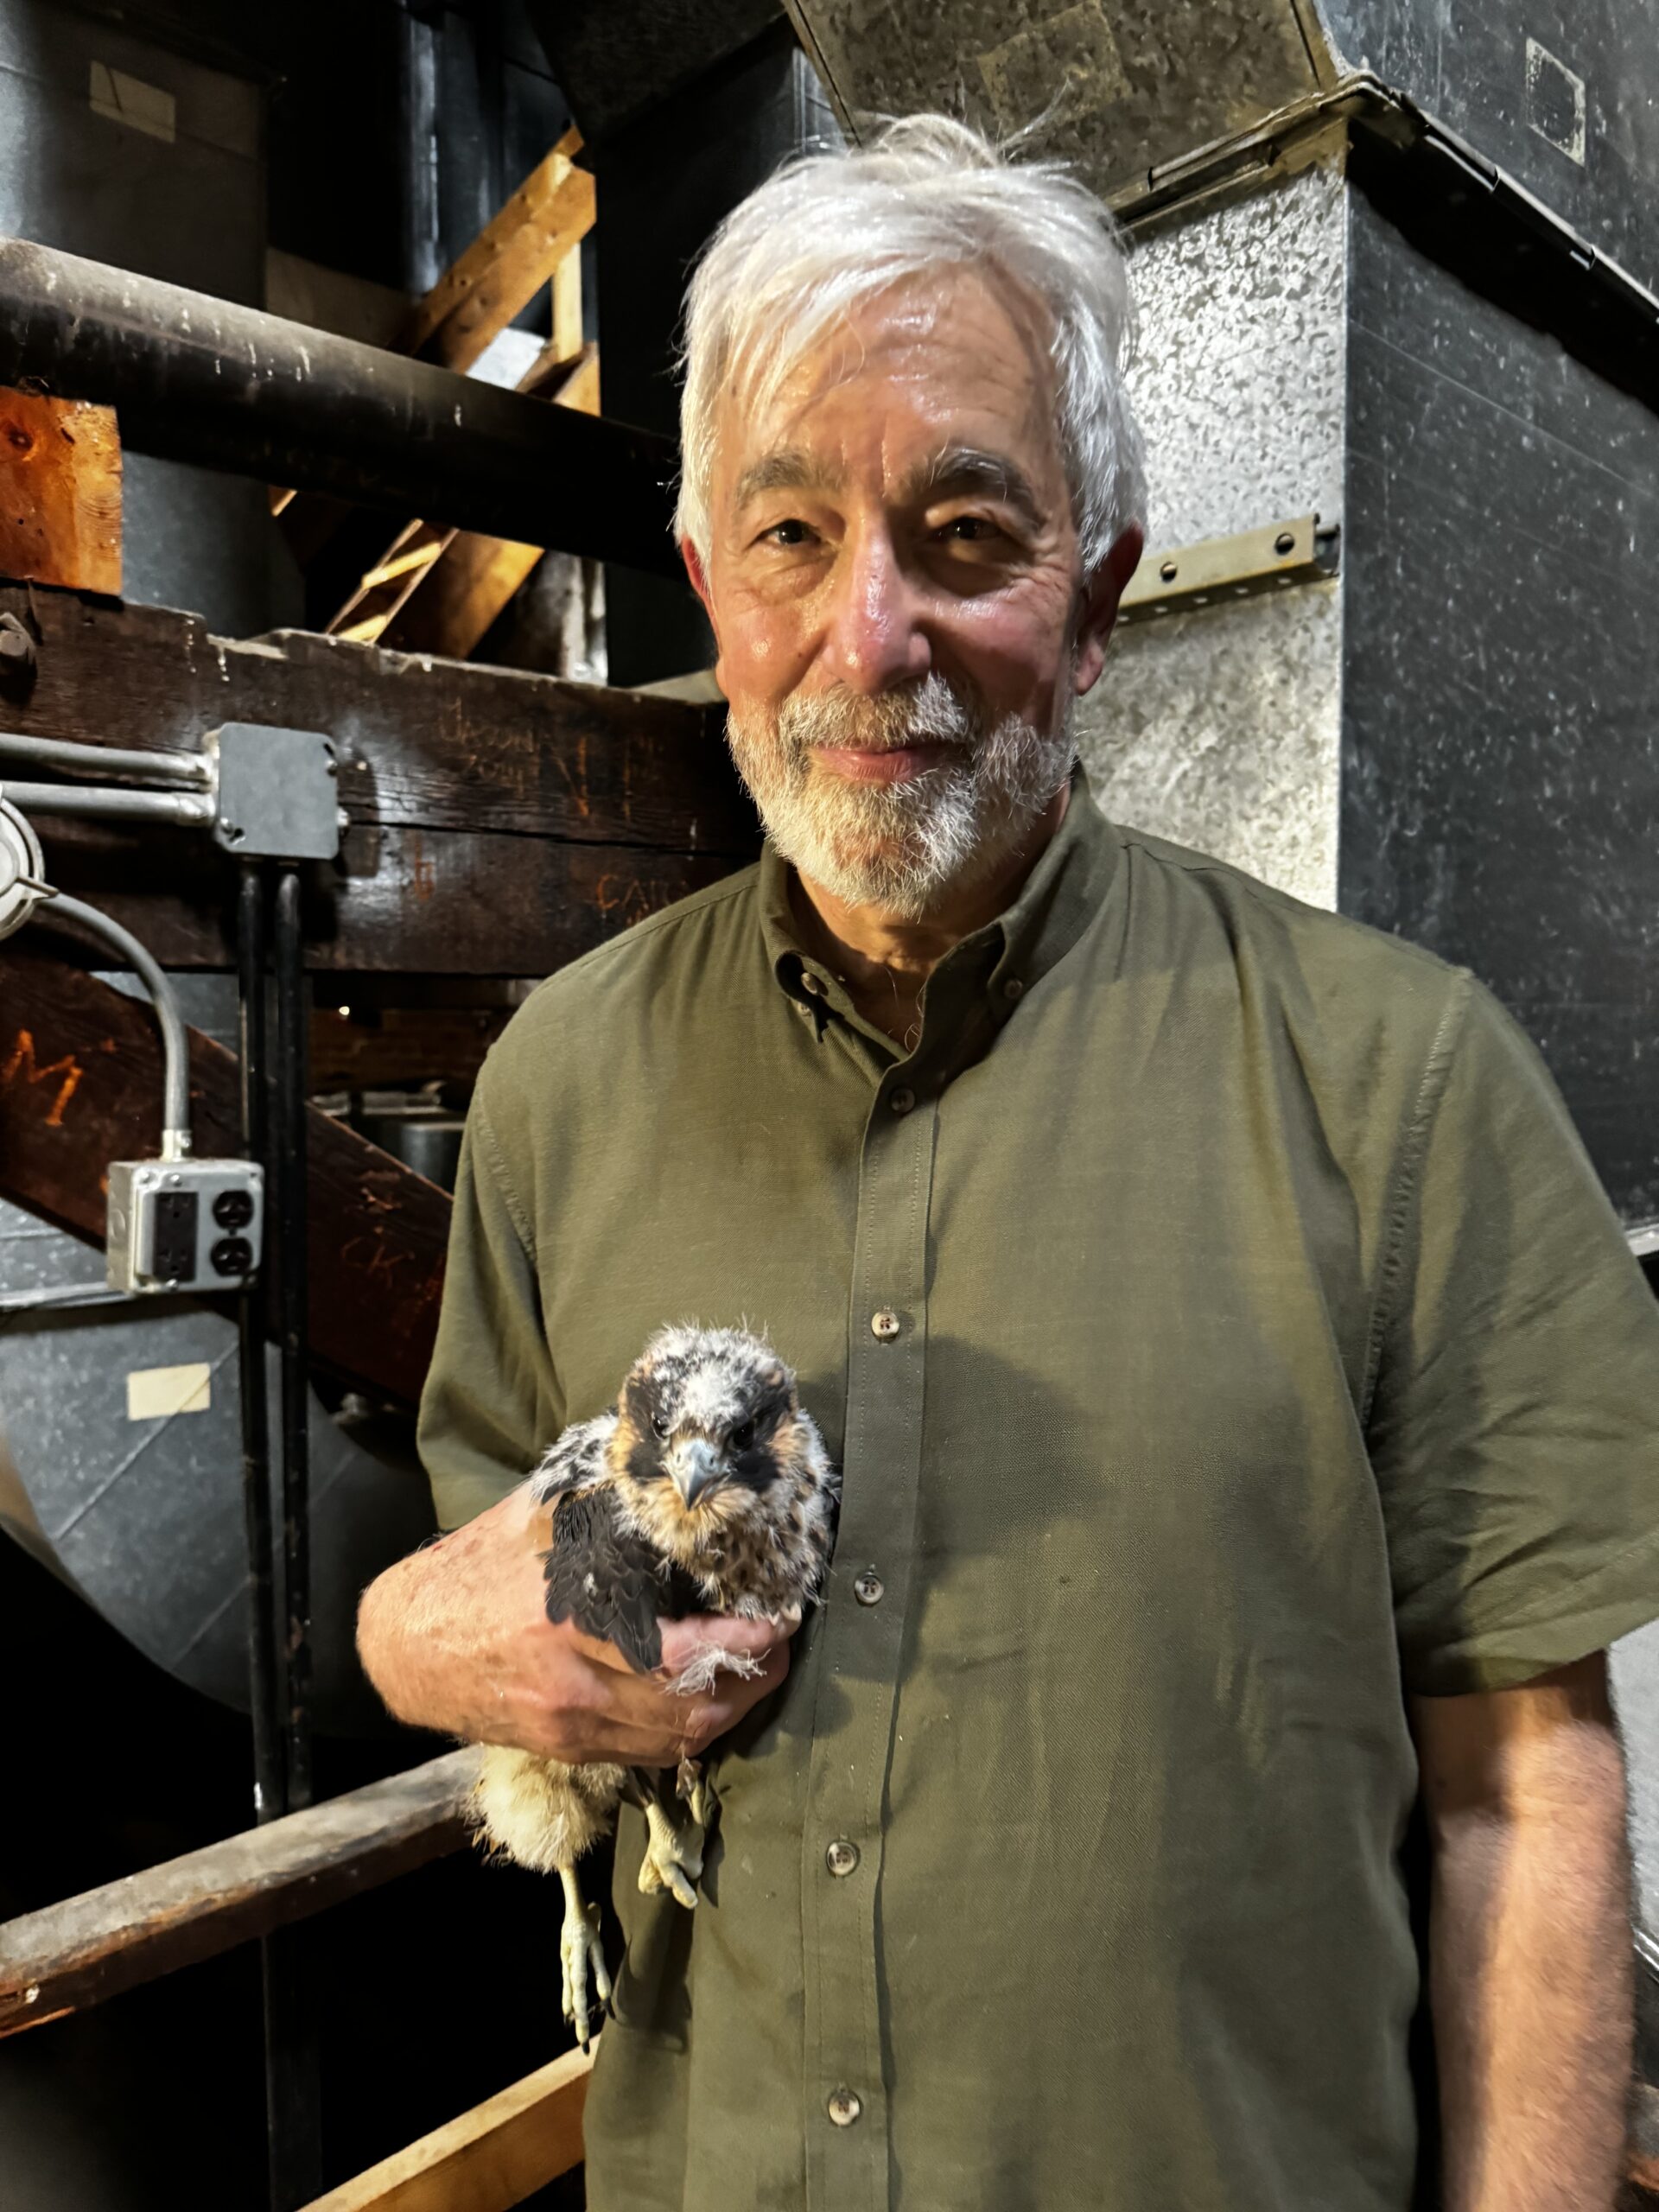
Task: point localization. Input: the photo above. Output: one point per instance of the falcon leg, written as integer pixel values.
(580, 1950)
(672, 1861)
(697, 1790)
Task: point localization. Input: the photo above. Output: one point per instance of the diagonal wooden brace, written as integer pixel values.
(80, 1085)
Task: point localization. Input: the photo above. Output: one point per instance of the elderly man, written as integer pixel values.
(1243, 1395)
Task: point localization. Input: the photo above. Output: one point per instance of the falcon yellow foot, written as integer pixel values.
(581, 1953)
(673, 1860)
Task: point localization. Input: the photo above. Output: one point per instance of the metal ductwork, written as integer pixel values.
(121, 1450)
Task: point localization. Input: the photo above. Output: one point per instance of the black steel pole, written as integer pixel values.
(266, 1663)
(292, 1042)
(292, 2072)
(269, 1783)
(203, 380)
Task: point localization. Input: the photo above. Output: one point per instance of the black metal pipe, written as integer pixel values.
(199, 379)
(292, 2075)
(264, 1648)
(289, 1164)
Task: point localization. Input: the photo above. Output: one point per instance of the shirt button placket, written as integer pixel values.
(859, 1642)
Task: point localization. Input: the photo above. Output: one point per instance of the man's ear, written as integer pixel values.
(1101, 593)
(698, 574)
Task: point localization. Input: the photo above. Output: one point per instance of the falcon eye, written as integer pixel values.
(660, 1422)
(741, 1438)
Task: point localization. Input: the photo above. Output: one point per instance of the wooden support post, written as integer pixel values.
(80, 1077)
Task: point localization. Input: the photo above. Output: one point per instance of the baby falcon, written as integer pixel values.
(707, 1490)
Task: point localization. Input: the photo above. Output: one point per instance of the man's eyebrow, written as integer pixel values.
(786, 471)
(971, 468)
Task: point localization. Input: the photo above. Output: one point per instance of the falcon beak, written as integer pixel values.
(695, 1467)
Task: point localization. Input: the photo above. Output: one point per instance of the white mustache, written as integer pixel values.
(934, 713)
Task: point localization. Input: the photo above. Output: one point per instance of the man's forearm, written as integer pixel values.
(1531, 1982)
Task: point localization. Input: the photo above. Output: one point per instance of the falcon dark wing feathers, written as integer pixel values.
(610, 1581)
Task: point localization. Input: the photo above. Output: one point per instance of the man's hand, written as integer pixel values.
(456, 1639)
(1529, 1941)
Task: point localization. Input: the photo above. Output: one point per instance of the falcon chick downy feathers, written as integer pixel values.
(707, 1490)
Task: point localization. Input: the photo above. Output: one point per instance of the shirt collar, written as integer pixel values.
(1000, 961)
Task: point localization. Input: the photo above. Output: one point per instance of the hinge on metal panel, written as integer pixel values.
(1175, 580)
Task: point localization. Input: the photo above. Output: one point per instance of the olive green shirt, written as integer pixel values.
(1222, 1333)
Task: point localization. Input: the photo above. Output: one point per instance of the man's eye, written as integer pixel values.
(967, 529)
(660, 1423)
(743, 1437)
(791, 531)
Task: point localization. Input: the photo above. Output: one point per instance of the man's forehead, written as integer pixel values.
(936, 365)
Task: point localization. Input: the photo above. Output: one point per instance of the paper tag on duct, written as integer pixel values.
(158, 1393)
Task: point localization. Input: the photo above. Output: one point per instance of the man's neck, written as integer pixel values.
(885, 959)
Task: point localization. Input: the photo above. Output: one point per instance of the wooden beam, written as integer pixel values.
(420, 902)
(93, 1947)
(80, 1075)
(507, 264)
(502, 823)
(426, 744)
(370, 1051)
(438, 591)
(464, 593)
(489, 2159)
(59, 492)
(475, 299)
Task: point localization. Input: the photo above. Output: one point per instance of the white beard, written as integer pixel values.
(904, 847)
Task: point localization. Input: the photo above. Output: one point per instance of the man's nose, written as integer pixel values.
(875, 638)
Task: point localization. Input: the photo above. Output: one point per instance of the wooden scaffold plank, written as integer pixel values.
(486, 2160)
(93, 1947)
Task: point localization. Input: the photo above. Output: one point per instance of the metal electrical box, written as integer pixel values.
(184, 1225)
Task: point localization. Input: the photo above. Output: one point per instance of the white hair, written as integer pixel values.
(830, 230)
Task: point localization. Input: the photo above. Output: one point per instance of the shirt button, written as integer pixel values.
(1012, 989)
(901, 1101)
(885, 1324)
(869, 1587)
(842, 1856)
(844, 2106)
(812, 984)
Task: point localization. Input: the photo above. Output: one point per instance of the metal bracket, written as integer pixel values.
(1175, 580)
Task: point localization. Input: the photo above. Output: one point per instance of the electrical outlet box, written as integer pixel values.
(184, 1225)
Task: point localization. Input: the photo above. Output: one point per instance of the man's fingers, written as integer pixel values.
(724, 1706)
(683, 1640)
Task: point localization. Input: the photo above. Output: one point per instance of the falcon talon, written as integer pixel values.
(706, 1489)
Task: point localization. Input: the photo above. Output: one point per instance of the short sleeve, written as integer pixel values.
(1513, 1424)
(491, 1400)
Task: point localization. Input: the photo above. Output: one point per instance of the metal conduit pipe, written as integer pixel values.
(105, 760)
(175, 1051)
(198, 379)
(193, 809)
